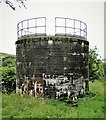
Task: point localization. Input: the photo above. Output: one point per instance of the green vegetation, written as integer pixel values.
(15, 106)
(3, 55)
(8, 68)
(96, 66)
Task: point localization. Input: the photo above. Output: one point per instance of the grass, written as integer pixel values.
(15, 106)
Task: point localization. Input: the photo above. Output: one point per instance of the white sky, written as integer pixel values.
(92, 13)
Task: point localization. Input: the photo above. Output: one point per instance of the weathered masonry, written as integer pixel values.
(52, 66)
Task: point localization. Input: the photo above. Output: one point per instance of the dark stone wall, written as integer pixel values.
(66, 57)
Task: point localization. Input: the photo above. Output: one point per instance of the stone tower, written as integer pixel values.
(52, 66)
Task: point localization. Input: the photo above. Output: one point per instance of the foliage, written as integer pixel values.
(96, 69)
(9, 61)
(8, 68)
(8, 73)
(15, 106)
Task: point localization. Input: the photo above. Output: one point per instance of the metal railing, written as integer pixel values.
(68, 26)
(32, 27)
(63, 26)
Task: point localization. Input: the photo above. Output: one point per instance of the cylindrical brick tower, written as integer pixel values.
(52, 66)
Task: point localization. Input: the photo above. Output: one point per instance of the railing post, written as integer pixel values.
(35, 26)
(45, 25)
(55, 25)
(21, 28)
(27, 26)
(65, 26)
(74, 26)
(86, 32)
(80, 28)
(17, 30)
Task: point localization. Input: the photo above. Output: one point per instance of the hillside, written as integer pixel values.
(92, 106)
(3, 55)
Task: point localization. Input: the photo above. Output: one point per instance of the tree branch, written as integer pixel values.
(11, 3)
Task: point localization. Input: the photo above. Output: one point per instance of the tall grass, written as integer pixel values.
(15, 106)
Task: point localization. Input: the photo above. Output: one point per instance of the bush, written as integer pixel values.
(8, 71)
(96, 69)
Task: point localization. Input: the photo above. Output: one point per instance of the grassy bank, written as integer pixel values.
(29, 107)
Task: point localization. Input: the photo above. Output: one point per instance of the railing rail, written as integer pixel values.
(74, 27)
(31, 26)
(63, 26)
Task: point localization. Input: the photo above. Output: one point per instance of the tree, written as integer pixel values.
(13, 3)
(96, 69)
(8, 72)
(8, 68)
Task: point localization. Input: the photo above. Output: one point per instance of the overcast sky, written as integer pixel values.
(92, 13)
